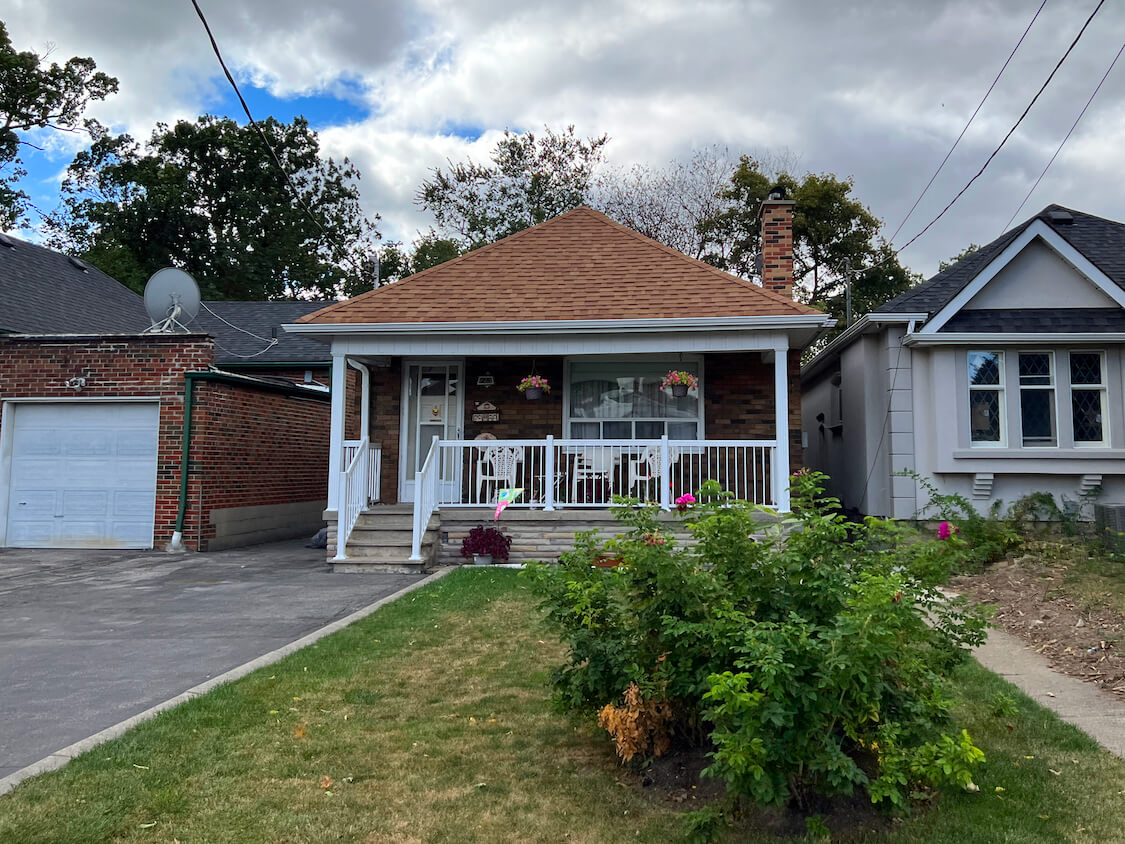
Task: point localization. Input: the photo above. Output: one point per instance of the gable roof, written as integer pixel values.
(46, 292)
(234, 346)
(580, 265)
(1101, 241)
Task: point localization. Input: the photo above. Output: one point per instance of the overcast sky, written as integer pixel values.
(873, 90)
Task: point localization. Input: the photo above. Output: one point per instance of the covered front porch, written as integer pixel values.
(444, 436)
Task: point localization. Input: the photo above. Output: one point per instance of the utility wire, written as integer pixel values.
(1068, 134)
(273, 153)
(1011, 131)
(969, 123)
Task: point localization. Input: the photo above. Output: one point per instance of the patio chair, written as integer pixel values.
(593, 475)
(497, 464)
(644, 468)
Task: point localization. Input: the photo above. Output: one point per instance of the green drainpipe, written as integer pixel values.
(177, 543)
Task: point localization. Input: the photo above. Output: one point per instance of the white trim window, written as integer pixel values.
(1038, 428)
(623, 400)
(1088, 398)
(986, 398)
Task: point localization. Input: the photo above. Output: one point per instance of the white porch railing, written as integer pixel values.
(354, 491)
(557, 473)
(426, 483)
(374, 472)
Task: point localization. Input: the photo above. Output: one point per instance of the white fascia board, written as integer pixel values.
(997, 339)
(864, 325)
(1038, 229)
(462, 345)
(570, 326)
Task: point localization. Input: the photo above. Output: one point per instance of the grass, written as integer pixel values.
(430, 721)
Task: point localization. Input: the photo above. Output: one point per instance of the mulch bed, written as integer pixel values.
(1084, 642)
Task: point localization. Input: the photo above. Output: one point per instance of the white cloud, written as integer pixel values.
(872, 90)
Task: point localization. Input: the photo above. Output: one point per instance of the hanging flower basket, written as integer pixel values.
(534, 387)
(679, 382)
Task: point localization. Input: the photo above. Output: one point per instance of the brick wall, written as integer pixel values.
(115, 367)
(386, 400)
(253, 447)
(739, 399)
(519, 417)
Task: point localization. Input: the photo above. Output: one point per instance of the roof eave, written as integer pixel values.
(866, 324)
(588, 326)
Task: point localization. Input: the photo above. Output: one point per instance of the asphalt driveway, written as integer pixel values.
(90, 638)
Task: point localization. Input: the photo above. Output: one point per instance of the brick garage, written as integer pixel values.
(258, 456)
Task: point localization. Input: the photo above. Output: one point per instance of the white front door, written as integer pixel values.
(83, 475)
(434, 403)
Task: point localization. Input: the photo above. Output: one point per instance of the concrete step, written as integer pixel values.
(371, 520)
(388, 537)
(385, 552)
(360, 566)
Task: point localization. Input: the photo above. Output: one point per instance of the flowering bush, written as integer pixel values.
(810, 661)
(684, 501)
(486, 541)
(534, 381)
(679, 376)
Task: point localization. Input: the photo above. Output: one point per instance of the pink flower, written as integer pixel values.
(684, 501)
(946, 530)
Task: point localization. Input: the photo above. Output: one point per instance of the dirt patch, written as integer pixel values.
(1031, 603)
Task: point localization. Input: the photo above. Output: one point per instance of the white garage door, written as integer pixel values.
(83, 475)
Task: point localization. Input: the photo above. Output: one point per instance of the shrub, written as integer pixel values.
(802, 657)
(486, 540)
(985, 538)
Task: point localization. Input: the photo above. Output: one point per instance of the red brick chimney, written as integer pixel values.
(777, 242)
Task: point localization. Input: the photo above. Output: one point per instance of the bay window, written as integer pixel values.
(1087, 397)
(986, 398)
(623, 400)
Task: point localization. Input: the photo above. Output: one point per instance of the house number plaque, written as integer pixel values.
(486, 411)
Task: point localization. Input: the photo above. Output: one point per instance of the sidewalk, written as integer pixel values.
(1097, 713)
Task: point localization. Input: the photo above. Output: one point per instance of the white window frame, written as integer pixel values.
(1001, 399)
(1053, 386)
(1103, 390)
(671, 362)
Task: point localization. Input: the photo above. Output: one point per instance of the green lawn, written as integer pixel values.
(430, 720)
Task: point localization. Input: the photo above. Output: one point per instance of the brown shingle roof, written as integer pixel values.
(579, 265)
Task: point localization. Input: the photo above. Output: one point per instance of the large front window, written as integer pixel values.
(986, 398)
(615, 400)
(1087, 397)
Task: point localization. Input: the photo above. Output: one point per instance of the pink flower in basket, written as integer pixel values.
(678, 377)
(534, 381)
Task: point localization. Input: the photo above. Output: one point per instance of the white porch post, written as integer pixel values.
(549, 474)
(780, 470)
(336, 431)
(665, 474)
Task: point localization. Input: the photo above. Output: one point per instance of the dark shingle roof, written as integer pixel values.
(1101, 241)
(1038, 320)
(44, 292)
(263, 319)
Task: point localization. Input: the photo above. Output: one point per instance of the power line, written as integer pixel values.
(1068, 134)
(969, 123)
(1011, 131)
(273, 154)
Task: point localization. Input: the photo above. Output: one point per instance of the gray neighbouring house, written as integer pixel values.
(1000, 376)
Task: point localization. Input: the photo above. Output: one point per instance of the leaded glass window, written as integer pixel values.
(1037, 399)
(1087, 397)
(986, 398)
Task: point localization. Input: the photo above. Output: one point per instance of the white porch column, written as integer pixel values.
(336, 431)
(780, 470)
(365, 399)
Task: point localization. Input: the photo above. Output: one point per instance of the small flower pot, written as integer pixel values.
(533, 393)
(482, 559)
(607, 561)
(679, 390)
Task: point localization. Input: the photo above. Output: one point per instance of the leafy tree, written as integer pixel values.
(835, 237)
(207, 197)
(34, 95)
(397, 262)
(531, 179)
(964, 253)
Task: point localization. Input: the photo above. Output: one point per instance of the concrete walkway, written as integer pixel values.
(1096, 712)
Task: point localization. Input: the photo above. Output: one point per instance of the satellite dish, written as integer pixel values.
(171, 299)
